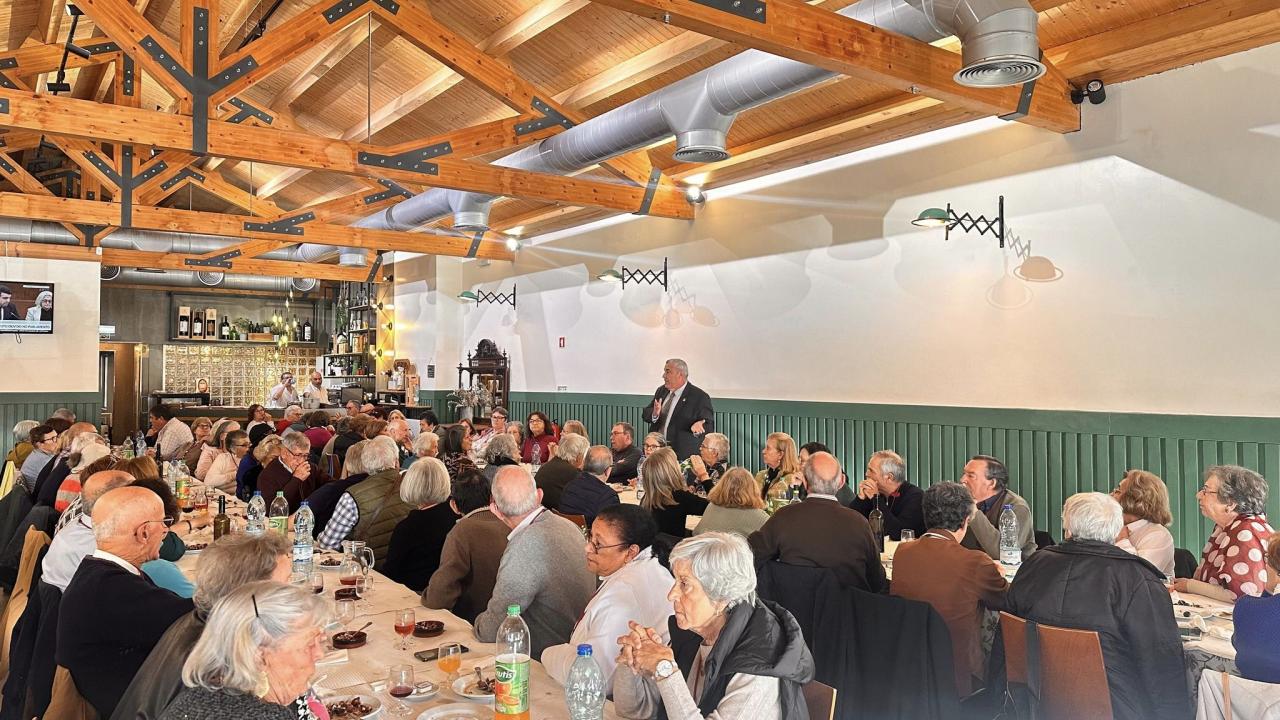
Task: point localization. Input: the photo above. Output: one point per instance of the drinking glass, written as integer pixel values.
(908, 535)
(317, 582)
(405, 621)
(199, 498)
(449, 660)
(344, 612)
(400, 685)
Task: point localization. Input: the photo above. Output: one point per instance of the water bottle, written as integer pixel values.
(278, 517)
(511, 696)
(256, 515)
(536, 457)
(1010, 549)
(303, 544)
(140, 444)
(584, 689)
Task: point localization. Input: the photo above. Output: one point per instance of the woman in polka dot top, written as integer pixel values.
(1234, 559)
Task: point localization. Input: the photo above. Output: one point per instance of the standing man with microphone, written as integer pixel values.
(680, 410)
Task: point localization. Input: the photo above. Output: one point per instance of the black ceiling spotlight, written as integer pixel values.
(78, 51)
(61, 85)
(1095, 90)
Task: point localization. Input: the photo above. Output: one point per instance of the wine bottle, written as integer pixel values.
(183, 322)
(221, 523)
(211, 324)
(306, 331)
(197, 325)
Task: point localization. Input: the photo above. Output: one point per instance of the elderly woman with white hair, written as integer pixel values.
(501, 450)
(731, 653)
(22, 446)
(42, 309)
(1232, 563)
(1088, 583)
(416, 543)
(256, 657)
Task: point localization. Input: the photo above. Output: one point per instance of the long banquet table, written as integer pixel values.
(363, 671)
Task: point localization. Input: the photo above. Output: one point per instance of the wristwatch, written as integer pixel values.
(665, 669)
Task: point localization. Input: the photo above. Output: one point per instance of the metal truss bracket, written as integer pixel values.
(651, 188)
(8, 63)
(7, 166)
(182, 175)
(7, 82)
(748, 9)
(218, 261)
(373, 269)
(393, 189)
(283, 226)
(246, 111)
(90, 232)
(342, 8)
(4, 105)
(414, 160)
(1024, 99)
(550, 116)
(130, 72)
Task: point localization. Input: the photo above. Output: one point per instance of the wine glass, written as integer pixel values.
(344, 612)
(405, 621)
(317, 582)
(350, 572)
(908, 535)
(400, 685)
(449, 660)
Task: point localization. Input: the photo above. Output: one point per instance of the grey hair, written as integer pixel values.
(65, 414)
(84, 440)
(291, 408)
(1240, 488)
(501, 445)
(819, 484)
(946, 505)
(249, 619)
(723, 564)
(381, 454)
(296, 442)
(680, 365)
(720, 443)
(425, 483)
(514, 500)
(658, 437)
(891, 463)
(598, 460)
(354, 462)
(571, 447)
(22, 430)
(1092, 516)
(425, 443)
(233, 561)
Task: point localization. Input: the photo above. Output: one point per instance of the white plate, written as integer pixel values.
(367, 698)
(460, 685)
(423, 695)
(334, 568)
(457, 711)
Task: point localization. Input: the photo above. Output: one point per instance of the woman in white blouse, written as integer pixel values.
(1145, 501)
(732, 655)
(620, 551)
(222, 471)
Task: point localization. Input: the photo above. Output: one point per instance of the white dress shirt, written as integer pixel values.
(637, 591)
(69, 547)
(104, 555)
(320, 394)
(525, 522)
(1151, 542)
(288, 396)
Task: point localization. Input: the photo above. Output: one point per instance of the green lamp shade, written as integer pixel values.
(932, 217)
(468, 295)
(610, 275)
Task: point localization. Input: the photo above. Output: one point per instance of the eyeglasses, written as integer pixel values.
(591, 543)
(168, 523)
(51, 438)
(240, 444)
(1205, 489)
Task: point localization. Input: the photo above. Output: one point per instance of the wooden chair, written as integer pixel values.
(66, 702)
(579, 520)
(820, 699)
(1071, 677)
(34, 542)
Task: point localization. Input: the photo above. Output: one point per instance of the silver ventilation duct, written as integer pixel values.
(189, 278)
(999, 47)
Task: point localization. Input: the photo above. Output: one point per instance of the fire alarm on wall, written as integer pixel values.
(562, 342)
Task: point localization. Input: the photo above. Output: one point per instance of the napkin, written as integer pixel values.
(335, 657)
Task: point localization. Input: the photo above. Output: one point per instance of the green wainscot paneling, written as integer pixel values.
(1050, 454)
(16, 407)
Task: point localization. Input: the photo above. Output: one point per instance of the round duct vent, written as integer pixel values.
(109, 272)
(701, 154)
(211, 279)
(470, 221)
(1000, 72)
(305, 284)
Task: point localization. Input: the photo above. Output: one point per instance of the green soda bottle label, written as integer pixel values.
(511, 696)
(278, 523)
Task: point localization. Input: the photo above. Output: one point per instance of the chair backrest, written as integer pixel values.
(66, 702)
(33, 543)
(579, 520)
(820, 699)
(1184, 563)
(1071, 674)
(1044, 540)
(1014, 631)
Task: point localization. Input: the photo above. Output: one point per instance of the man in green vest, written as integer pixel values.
(370, 509)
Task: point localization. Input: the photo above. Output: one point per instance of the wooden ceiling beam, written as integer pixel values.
(337, 48)
(238, 21)
(81, 119)
(277, 268)
(341, 210)
(247, 249)
(238, 226)
(1187, 35)
(13, 171)
(49, 14)
(530, 24)
(43, 251)
(123, 23)
(39, 58)
(820, 37)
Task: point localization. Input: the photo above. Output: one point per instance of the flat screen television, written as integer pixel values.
(26, 307)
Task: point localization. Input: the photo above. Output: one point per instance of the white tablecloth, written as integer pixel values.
(371, 663)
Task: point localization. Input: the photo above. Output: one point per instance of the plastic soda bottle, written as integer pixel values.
(511, 696)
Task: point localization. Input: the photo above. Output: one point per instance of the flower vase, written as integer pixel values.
(465, 412)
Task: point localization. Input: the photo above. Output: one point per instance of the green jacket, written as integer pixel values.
(381, 509)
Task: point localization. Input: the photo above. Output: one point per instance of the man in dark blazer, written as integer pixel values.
(820, 532)
(680, 410)
(8, 311)
(111, 615)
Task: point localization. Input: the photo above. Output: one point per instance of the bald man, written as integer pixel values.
(111, 615)
(75, 542)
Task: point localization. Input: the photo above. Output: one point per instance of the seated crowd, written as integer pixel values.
(664, 587)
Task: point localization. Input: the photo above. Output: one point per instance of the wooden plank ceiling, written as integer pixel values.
(390, 80)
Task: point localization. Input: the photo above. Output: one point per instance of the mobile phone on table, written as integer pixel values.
(433, 653)
(1190, 633)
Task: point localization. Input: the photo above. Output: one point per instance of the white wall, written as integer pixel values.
(1162, 214)
(67, 360)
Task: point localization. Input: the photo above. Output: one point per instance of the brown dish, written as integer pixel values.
(349, 639)
(428, 628)
(197, 546)
(330, 562)
(352, 708)
(345, 593)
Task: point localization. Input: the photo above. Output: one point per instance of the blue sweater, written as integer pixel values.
(1256, 637)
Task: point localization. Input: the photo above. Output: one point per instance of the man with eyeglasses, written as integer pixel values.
(292, 472)
(111, 616)
(284, 394)
(626, 456)
(497, 426)
(44, 441)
